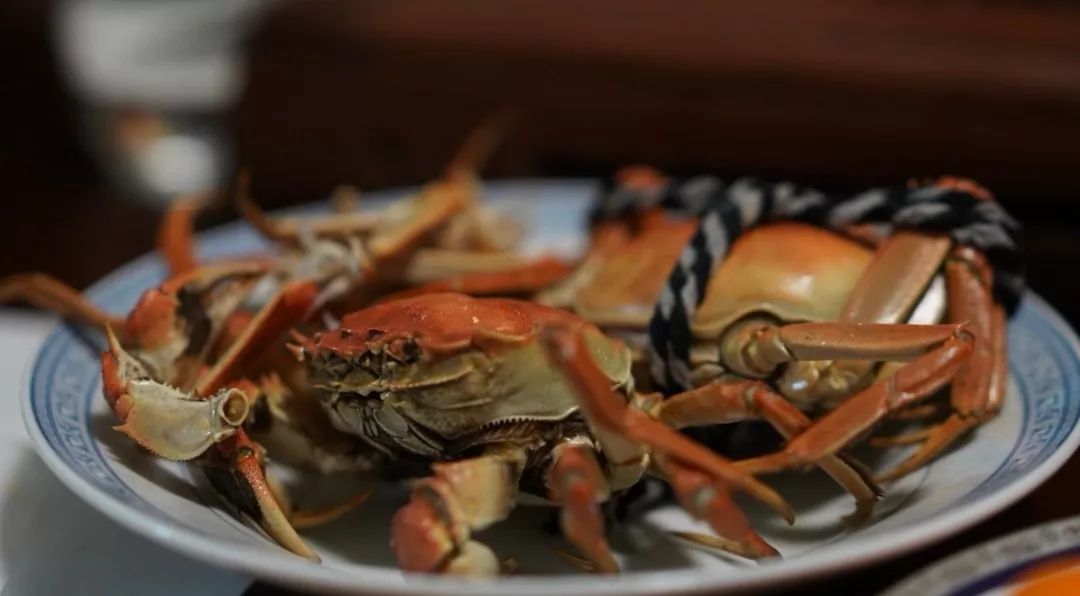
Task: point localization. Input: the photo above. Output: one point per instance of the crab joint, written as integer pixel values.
(179, 427)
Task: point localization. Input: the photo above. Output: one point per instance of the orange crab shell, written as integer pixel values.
(441, 323)
(456, 365)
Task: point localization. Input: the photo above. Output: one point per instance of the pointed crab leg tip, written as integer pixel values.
(110, 337)
(938, 439)
(909, 465)
(278, 527)
(302, 520)
(863, 513)
(782, 507)
(755, 548)
(890, 476)
(903, 469)
(273, 520)
(576, 561)
(770, 497)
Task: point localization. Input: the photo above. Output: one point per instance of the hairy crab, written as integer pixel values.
(506, 396)
(874, 308)
(198, 366)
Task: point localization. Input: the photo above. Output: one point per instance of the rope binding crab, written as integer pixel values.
(953, 206)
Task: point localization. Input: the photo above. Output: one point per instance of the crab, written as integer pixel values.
(502, 398)
(177, 366)
(874, 309)
(442, 238)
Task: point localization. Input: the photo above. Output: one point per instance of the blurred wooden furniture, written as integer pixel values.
(843, 92)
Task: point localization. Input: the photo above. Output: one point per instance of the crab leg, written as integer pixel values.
(398, 229)
(979, 387)
(723, 402)
(888, 291)
(525, 278)
(606, 410)
(479, 145)
(236, 470)
(578, 484)
(892, 289)
(48, 293)
(896, 279)
(917, 380)
(184, 427)
(287, 230)
(432, 533)
(435, 264)
(175, 233)
(711, 501)
(289, 307)
(755, 349)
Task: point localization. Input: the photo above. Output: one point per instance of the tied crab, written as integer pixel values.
(797, 320)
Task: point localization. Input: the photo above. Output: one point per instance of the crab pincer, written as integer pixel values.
(189, 427)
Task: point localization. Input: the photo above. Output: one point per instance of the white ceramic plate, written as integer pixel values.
(1044, 559)
(1034, 435)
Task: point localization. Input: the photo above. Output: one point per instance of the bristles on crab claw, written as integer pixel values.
(603, 407)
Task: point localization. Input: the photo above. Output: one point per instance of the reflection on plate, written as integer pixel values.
(1038, 561)
(1034, 435)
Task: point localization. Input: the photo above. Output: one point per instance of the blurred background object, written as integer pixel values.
(114, 100)
(152, 81)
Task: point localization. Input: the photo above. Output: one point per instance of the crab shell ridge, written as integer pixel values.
(455, 365)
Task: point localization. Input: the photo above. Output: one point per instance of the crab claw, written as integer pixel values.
(236, 471)
(182, 427)
(163, 419)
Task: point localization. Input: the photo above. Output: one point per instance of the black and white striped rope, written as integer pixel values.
(728, 209)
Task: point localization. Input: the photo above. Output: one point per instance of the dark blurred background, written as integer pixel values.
(840, 94)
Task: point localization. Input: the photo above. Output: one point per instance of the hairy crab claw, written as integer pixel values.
(188, 427)
(161, 418)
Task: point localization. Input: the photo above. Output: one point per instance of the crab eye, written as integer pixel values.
(410, 351)
(365, 360)
(336, 366)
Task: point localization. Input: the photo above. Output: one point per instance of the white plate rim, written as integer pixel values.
(299, 572)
